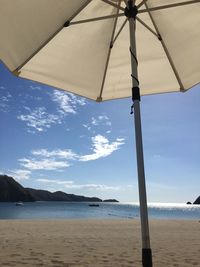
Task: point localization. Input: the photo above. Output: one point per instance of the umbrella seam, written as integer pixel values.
(50, 38)
(99, 98)
(169, 6)
(166, 50)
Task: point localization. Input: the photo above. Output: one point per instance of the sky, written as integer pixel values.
(54, 140)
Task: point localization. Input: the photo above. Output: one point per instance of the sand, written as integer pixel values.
(96, 243)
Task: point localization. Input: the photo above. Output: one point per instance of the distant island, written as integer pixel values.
(12, 191)
(196, 202)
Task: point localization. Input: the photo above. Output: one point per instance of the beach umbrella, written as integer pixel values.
(82, 46)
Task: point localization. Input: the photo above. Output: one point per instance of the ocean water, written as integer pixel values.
(82, 210)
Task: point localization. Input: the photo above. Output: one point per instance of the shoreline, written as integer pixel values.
(97, 243)
(99, 219)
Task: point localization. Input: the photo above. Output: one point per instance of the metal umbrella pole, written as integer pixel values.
(131, 12)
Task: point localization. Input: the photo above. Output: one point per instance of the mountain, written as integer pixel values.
(197, 201)
(110, 200)
(12, 191)
(43, 195)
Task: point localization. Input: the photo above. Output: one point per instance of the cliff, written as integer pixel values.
(12, 191)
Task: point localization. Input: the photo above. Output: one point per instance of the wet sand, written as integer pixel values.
(96, 243)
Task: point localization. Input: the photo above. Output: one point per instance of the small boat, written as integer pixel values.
(93, 205)
(19, 203)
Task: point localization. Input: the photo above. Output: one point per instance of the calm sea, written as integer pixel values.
(82, 210)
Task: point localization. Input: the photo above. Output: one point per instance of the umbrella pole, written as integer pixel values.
(131, 12)
(146, 248)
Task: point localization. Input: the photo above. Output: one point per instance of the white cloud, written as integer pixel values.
(58, 182)
(71, 184)
(39, 119)
(48, 160)
(43, 164)
(94, 121)
(102, 148)
(130, 186)
(157, 156)
(43, 159)
(35, 87)
(100, 187)
(104, 119)
(67, 102)
(87, 126)
(30, 97)
(5, 97)
(65, 154)
(3, 106)
(20, 174)
(77, 100)
(101, 120)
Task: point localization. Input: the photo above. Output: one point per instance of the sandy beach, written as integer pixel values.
(96, 243)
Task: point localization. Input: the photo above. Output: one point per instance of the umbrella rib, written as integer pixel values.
(112, 4)
(126, 2)
(166, 50)
(94, 19)
(16, 71)
(169, 6)
(141, 4)
(118, 33)
(99, 98)
(149, 28)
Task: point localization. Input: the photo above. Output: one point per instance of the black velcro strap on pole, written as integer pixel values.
(146, 257)
(135, 93)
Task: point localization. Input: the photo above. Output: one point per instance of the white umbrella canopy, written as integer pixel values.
(35, 43)
(82, 47)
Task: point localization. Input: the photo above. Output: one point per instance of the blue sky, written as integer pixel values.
(54, 140)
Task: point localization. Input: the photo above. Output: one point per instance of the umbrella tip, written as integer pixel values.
(16, 72)
(99, 99)
(66, 24)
